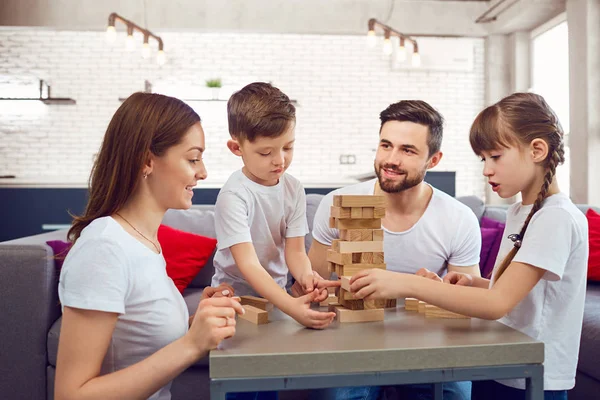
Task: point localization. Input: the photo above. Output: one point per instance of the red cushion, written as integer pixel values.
(594, 233)
(185, 253)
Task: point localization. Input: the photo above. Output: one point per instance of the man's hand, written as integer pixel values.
(425, 273)
(223, 290)
(458, 278)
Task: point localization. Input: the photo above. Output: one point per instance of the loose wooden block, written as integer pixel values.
(340, 212)
(257, 302)
(379, 212)
(356, 212)
(421, 306)
(331, 299)
(411, 304)
(255, 315)
(339, 258)
(352, 269)
(353, 200)
(368, 212)
(345, 315)
(342, 246)
(364, 223)
(390, 303)
(346, 295)
(345, 280)
(356, 235)
(378, 235)
(432, 311)
(378, 257)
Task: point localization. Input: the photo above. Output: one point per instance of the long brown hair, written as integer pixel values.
(145, 123)
(517, 120)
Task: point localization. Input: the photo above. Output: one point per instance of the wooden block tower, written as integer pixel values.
(358, 219)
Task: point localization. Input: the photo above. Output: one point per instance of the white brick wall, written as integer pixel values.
(340, 84)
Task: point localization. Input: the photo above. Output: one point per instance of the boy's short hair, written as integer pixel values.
(259, 110)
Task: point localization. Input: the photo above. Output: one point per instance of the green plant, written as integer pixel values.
(213, 83)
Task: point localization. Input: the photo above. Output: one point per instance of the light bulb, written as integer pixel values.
(161, 58)
(416, 60)
(146, 50)
(371, 39)
(401, 56)
(129, 43)
(111, 34)
(387, 46)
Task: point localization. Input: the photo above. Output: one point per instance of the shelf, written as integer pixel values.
(46, 100)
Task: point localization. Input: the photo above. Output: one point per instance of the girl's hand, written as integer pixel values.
(301, 311)
(377, 284)
(425, 273)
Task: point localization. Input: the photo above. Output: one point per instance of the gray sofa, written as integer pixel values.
(31, 312)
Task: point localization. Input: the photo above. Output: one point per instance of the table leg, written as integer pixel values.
(534, 385)
(216, 391)
(438, 391)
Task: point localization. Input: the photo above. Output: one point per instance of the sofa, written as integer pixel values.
(31, 313)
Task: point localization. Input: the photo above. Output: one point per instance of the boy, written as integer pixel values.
(260, 213)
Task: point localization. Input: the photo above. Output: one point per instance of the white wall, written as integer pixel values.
(340, 84)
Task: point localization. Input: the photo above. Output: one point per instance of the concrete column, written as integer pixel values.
(583, 18)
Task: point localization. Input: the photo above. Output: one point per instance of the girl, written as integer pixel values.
(124, 331)
(538, 287)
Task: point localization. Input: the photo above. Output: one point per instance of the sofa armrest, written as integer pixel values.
(29, 299)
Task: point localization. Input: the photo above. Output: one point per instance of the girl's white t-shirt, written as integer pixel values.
(556, 241)
(109, 270)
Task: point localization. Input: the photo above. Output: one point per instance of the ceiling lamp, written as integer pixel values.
(111, 35)
(388, 32)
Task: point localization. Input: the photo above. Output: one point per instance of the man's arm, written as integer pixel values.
(318, 258)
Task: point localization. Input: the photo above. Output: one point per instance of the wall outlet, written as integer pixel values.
(346, 159)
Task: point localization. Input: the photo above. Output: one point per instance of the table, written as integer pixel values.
(406, 348)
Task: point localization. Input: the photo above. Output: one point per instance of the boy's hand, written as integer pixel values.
(458, 278)
(302, 312)
(425, 273)
(377, 284)
(223, 290)
(312, 281)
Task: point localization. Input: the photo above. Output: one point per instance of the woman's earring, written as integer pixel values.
(145, 175)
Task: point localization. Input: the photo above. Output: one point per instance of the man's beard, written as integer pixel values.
(408, 182)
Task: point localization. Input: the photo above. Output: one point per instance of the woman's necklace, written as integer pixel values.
(141, 234)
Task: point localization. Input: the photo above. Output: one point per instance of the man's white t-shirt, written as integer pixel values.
(556, 241)
(248, 212)
(109, 270)
(447, 233)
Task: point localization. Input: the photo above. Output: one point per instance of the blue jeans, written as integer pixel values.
(492, 390)
(452, 391)
(252, 396)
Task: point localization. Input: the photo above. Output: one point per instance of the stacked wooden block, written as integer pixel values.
(358, 219)
(429, 310)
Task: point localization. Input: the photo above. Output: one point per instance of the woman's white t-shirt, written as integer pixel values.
(109, 270)
(556, 241)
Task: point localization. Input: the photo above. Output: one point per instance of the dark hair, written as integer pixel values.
(516, 120)
(145, 123)
(419, 112)
(259, 110)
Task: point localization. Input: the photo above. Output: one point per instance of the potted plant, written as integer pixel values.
(215, 85)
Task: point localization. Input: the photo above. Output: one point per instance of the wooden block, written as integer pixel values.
(378, 257)
(379, 212)
(331, 267)
(363, 223)
(342, 246)
(337, 201)
(353, 200)
(368, 212)
(367, 257)
(339, 258)
(421, 306)
(345, 315)
(352, 269)
(390, 303)
(257, 302)
(345, 280)
(346, 295)
(411, 304)
(340, 212)
(356, 258)
(432, 311)
(332, 306)
(356, 304)
(356, 212)
(356, 235)
(332, 222)
(378, 235)
(331, 299)
(373, 304)
(255, 315)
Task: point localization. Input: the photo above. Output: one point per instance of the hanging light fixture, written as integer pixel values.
(111, 34)
(387, 43)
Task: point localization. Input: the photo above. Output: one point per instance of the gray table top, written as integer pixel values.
(404, 341)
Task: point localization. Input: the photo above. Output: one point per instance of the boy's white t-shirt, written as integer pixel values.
(447, 233)
(556, 240)
(109, 270)
(248, 212)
